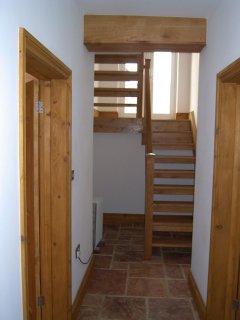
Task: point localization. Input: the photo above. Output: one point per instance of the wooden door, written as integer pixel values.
(55, 180)
(32, 201)
(48, 179)
(225, 229)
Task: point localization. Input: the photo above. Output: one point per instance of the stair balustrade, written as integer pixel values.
(149, 163)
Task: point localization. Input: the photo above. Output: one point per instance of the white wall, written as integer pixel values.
(59, 26)
(222, 49)
(119, 172)
(194, 83)
(183, 83)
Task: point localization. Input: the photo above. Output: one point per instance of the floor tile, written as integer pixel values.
(119, 265)
(186, 269)
(93, 300)
(104, 281)
(102, 261)
(146, 270)
(177, 257)
(179, 288)
(111, 235)
(123, 286)
(106, 249)
(88, 313)
(128, 256)
(122, 247)
(170, 309)
(120, 308)
(137, 247)
(146, 287)
(174, 271)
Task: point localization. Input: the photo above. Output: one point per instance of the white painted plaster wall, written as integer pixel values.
(222, 49)
(119, 172)
(194, 83)
(59, 26)
(183, 83)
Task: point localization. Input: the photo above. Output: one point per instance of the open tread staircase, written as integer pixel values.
(112, 84)
(172, 186)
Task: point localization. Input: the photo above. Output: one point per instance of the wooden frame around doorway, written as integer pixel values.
(224, 261)
(38, 61)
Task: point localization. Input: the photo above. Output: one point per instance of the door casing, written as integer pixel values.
(55, 224)
(225, 227)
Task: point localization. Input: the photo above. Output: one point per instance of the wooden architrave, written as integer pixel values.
(111, 33)
(225, 226)
(38, 61)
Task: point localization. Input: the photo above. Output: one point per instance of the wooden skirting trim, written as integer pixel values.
(200, 305)
(82, 289)
(124, 218)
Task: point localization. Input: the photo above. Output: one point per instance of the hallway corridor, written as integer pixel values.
(124, 286)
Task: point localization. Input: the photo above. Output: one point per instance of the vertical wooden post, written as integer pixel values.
(140, 87)
(149, 165)
(149, 176)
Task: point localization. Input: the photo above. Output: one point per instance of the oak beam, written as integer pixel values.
(111, 33)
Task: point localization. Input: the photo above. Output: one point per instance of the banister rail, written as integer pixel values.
(149, 163)
(147, 108)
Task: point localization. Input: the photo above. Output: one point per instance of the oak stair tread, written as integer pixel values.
(173, 224)
(172, 138)
(116, 92)
(173, 206)
(174, 146)
(173, 189)
(117, 125)
(174, 174)
(174, 159)
(171, 125)
(172, 243)
(116, 76)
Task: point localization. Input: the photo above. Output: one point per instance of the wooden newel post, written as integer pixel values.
(149, 176)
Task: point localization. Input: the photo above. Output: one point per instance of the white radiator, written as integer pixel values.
(97, 221)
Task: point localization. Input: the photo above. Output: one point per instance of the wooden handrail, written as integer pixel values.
(147, 108)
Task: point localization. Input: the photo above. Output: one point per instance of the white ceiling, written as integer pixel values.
(177, 8)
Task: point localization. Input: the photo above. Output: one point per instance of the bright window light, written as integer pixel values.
(162, 65)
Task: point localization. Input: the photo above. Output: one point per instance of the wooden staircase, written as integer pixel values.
(169, 144)
(111, 78)
(170, 173)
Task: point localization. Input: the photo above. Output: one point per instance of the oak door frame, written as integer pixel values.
(225, 227)
(38, 61)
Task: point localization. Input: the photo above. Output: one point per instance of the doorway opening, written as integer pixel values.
(45, 183)
(223, 279)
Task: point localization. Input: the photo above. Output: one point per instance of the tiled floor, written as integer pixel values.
(124, 286)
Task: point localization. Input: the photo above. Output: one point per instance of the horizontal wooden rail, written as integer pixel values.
(116, 76)
(115, 92)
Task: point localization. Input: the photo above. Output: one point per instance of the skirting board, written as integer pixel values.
(124, 218)
(200, 305)
(81, 291)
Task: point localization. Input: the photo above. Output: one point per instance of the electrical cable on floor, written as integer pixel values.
(84, 262)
